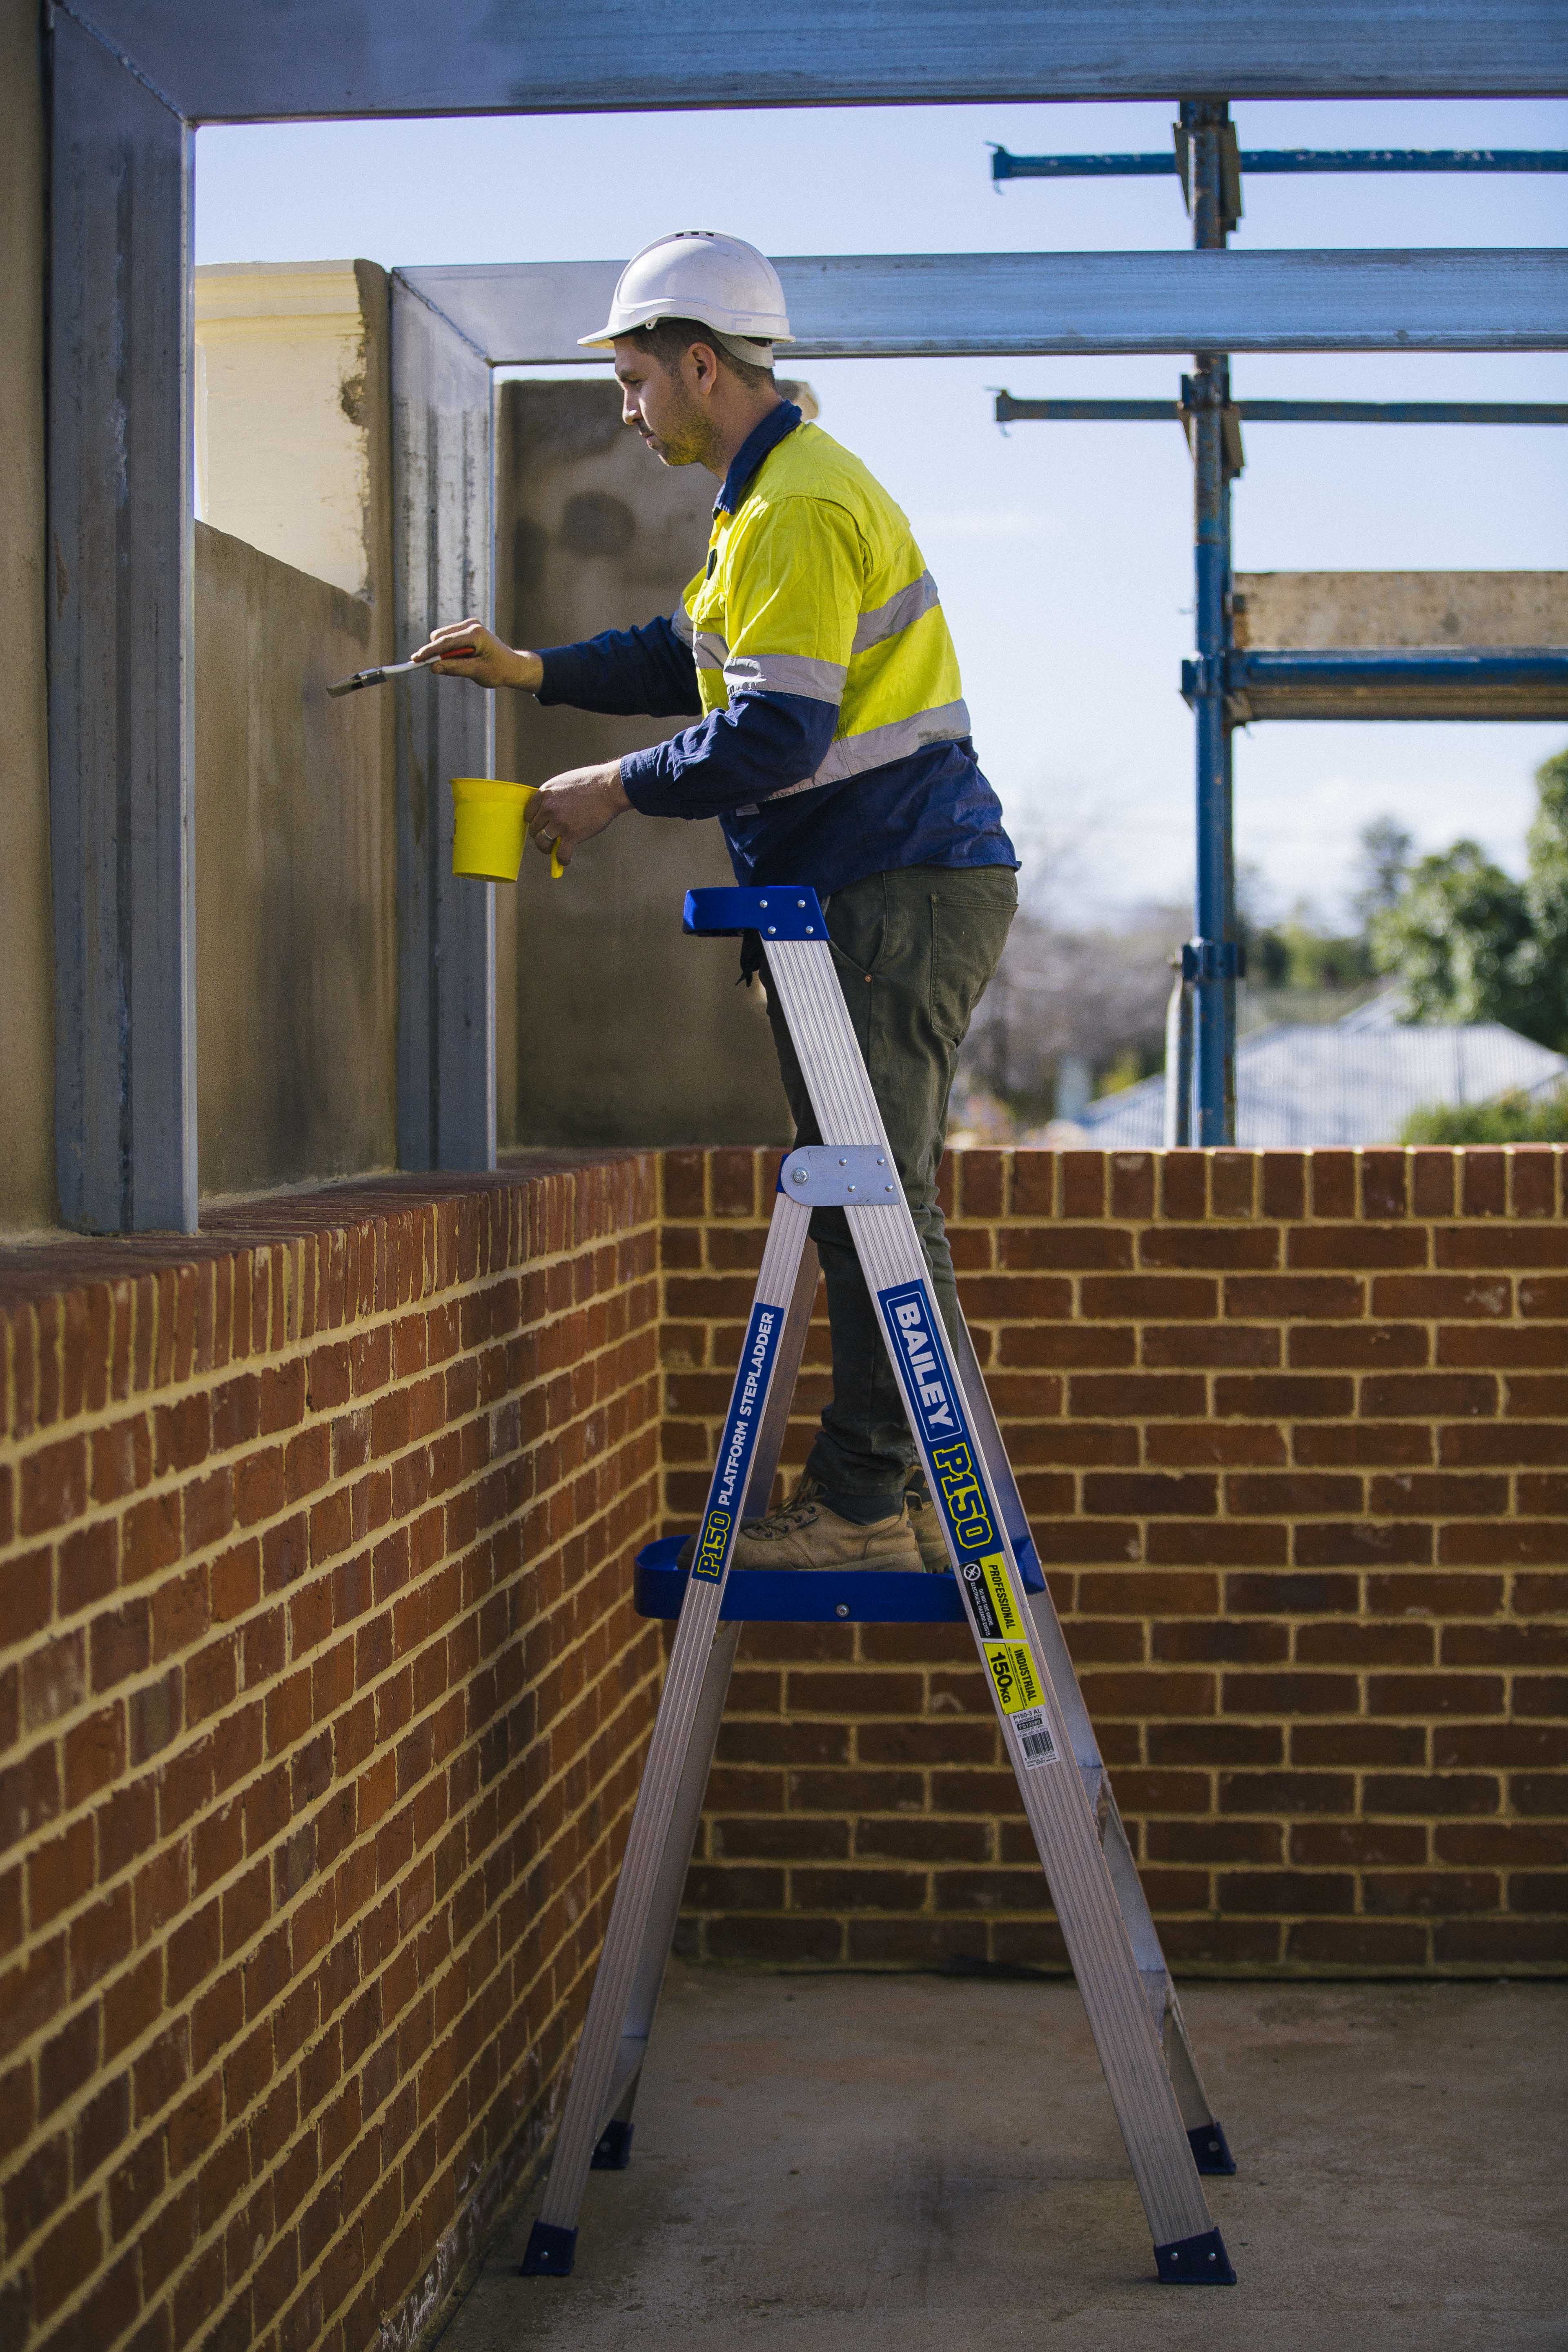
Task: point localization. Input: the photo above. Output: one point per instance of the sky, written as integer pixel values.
(1062, 552)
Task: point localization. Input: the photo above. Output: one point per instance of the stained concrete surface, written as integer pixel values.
(843, 2164)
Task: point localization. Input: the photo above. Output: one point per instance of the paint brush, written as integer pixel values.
(397, 669)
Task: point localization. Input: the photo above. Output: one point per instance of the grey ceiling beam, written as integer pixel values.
(120, 605)
(1013, 305)
(295, 58)
(442, 473)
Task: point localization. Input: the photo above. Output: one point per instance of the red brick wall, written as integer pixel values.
(321, 1705)
(1290, 1428)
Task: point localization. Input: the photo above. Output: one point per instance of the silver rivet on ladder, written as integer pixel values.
(841, 1609)
(800, 1176)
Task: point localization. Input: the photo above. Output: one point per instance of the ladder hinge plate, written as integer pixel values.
(841, 1176)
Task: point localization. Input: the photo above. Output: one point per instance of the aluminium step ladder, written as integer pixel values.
(1170, 2131)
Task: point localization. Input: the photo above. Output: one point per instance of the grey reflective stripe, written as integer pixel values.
(819, 681)
(710, 648)
(898, 613)
(857, 755)
(680, 622)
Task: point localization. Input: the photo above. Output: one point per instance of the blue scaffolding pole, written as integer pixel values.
(1201, 1029)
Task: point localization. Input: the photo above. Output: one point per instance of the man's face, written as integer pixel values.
(664, 403)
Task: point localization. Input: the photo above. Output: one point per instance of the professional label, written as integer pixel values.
(1033, 1735)
(994, 1568)
(729, 1488)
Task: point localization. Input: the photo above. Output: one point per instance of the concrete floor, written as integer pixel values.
(899, 2164)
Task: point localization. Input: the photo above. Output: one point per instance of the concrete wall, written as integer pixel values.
(27, 932)
(293, 414)
(296, 884)
(296, 832)
(612, 1026)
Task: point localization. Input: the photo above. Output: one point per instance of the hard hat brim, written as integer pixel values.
(612, 334)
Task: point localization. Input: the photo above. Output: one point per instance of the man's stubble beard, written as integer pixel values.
(690, 437)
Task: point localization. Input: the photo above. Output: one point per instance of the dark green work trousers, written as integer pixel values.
(913, 950)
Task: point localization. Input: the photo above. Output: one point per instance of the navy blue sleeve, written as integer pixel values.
(638, 672)
(732, 759)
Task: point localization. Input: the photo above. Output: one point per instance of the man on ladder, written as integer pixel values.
(834, 747)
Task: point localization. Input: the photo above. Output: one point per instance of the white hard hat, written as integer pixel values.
(697, 274)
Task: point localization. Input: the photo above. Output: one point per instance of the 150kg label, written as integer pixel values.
(1013, 1672)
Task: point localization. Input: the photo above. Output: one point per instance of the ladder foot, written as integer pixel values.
(613, 2149)
(1211, 2150)
(1194, 2261)
(551, 2249)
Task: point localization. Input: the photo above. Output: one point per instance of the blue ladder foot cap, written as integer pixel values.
(1194, 2261)
(613, 2149)
(551, 2251)
(1211, 2150)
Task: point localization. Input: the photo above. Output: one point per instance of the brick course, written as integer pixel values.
(321, 1706)
(1290, 1429)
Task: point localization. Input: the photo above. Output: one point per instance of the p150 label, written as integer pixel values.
(957, 1481)
(728, 1491)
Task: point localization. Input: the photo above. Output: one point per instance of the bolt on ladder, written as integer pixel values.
(1171, 2134)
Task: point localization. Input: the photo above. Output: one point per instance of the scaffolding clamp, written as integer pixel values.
(1204, 961)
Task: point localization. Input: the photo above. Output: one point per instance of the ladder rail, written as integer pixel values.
(588, 2096)
(1197, 2113)
(663, 1914)
(1066, 1834)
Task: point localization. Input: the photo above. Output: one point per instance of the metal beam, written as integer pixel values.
(1271, 160)
(302, 57)
(442, 489)
(119, 604)
(1015, 305)
(1528, 682)
(1286, 412)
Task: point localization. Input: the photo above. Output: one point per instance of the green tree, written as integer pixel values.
(1382, 864)
(1543, 960)
(1469, 943)
(1506, 1119)
(1453, 936)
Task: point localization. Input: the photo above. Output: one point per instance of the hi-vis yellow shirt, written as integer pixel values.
(833, 741)
(814, 588)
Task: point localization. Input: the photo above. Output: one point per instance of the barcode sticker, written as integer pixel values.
(1034, 1742)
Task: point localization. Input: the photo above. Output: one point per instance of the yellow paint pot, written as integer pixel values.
(488, 839)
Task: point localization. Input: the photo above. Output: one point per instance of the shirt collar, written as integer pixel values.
(775, 426)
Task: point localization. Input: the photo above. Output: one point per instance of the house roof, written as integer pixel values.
(1356, 1081)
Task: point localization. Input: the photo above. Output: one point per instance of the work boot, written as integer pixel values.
(925, 1522)
(804, 1533)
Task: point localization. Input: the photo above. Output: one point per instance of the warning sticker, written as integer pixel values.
(1033, 1734)
(1013, 1672)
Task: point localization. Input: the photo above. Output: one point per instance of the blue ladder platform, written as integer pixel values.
(815, 1596)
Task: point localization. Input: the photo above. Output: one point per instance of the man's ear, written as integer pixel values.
(705, 366)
